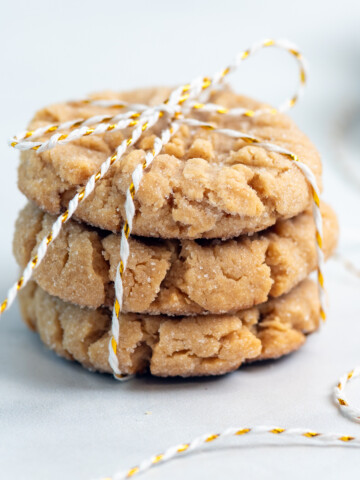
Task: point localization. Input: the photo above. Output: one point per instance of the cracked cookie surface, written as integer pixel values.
(202, 185)
(173, 277)
(180, 346)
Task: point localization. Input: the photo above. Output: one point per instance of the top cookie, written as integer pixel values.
(202, 185)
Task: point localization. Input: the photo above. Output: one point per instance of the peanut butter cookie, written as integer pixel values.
(202, 185)
(184, 346)
(173, 277)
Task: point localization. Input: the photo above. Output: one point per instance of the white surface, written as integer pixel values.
(58, 421)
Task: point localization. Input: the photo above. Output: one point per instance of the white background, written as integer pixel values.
(57, 420)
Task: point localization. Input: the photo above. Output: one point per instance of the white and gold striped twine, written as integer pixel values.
(306, 436)
(181, 102)
(295, 436)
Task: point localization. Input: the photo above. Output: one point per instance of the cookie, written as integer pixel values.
(169, 276)
(202, 185)
(184, 346)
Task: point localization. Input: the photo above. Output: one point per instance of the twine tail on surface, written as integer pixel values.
(295, 436)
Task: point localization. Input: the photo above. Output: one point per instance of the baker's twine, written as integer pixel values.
(176, 111)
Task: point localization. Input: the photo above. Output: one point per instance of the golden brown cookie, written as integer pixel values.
(185, 346)
(202, 185)
(169, 276)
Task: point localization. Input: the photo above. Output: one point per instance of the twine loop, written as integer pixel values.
(341, 398)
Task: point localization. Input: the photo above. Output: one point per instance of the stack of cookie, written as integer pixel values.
(223, 244)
